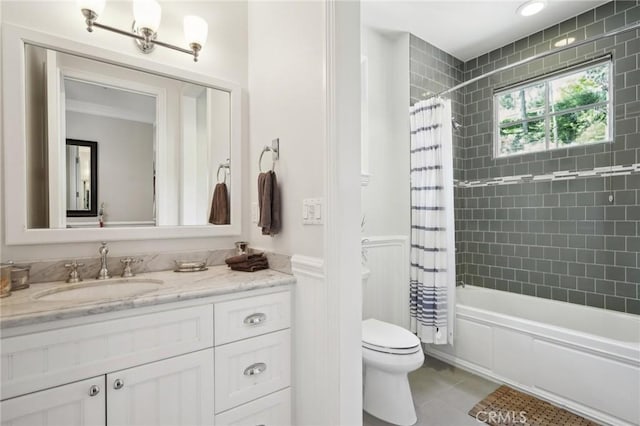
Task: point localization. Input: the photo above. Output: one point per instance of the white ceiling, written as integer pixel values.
(107, 101)
(470, 28)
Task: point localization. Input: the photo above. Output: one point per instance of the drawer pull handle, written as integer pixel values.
(255, 369)
(255, 319)
(94, 390)
(118, 384)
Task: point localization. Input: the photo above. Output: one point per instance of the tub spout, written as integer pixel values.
(460, 284)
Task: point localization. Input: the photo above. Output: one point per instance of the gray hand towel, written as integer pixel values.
(269, 203)
(219, 214)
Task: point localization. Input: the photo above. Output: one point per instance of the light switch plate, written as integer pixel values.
(312, 213)
(254, 212)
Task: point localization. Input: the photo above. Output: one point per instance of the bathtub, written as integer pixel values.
(584, 359)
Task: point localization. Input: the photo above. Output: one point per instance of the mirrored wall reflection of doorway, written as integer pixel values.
(82, 178)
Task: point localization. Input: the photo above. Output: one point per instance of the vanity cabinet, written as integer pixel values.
(158, 368)
(175, 391)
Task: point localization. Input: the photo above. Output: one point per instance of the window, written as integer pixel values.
(568, 109)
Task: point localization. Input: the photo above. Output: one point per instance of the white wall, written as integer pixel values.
(386, 199)
(303, 80)
(303, 85)
(286, 89)
(224, 56)
(1, 150)
(125, 164)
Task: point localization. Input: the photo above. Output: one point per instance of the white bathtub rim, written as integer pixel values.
(616, 314)
(628, 353)
(576, 408)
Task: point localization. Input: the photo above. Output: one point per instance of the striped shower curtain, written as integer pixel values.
(432, 222)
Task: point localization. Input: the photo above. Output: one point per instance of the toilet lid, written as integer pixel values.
(384, 335)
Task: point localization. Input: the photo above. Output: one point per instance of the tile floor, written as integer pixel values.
(443, 395)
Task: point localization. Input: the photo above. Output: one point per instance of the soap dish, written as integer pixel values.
(190, 266)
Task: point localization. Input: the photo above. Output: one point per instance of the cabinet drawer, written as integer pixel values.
(253, 316)
(252, 368)
(51, 358)
(271, 410)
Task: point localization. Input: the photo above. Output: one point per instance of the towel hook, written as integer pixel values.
(222, 167)
(275, 154)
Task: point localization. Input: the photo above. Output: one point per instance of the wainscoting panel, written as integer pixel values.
(311, 381)
(385, 294)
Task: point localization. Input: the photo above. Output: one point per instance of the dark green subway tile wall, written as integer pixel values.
(560, 240)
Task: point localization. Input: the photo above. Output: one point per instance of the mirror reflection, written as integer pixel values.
(116, 147)
(82, 178)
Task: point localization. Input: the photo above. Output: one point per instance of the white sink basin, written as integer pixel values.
(99, 290)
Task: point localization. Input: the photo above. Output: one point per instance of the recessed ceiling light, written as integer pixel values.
(564, 41)
(531, 7)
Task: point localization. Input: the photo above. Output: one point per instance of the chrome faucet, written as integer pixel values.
(74, 274)
(104, 273)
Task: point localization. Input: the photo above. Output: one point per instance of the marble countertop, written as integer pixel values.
(24, 307)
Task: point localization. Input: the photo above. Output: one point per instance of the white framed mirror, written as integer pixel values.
(161, 137)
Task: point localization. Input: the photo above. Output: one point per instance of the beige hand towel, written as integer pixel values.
(220, 214)
(269, 203)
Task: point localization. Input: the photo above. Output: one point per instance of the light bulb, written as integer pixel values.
(96, 6)
(147, 14)
(531, 7)
(195, 30)
(564, 42)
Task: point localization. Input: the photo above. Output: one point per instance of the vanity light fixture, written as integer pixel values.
(144, 31)
(531, 7)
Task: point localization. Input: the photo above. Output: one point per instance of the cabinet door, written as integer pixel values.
(80, 403)
(175, 391)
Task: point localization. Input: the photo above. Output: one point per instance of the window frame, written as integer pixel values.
(548, 115)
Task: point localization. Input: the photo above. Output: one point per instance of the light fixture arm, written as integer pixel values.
(146, 41)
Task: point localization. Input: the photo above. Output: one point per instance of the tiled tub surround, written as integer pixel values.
(579, 247)
(54, 270)
(560, 239)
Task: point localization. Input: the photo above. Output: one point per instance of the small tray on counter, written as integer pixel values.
(190, 266)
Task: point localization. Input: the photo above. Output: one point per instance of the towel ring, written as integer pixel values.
(275, 154)
(222, 167)
(273, 164)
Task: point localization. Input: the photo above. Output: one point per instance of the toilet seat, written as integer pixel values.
(392, 351)
(388, 338)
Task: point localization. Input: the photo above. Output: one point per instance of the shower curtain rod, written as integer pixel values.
(619, 31)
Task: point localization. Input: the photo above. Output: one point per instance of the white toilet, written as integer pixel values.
(389, 354)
